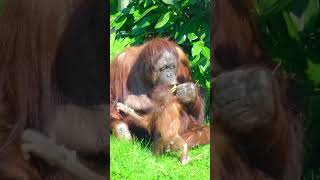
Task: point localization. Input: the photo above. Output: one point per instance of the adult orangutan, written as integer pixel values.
(257, 129)
(53, 80)
(136, 71)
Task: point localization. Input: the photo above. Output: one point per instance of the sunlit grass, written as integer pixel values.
(134, 160)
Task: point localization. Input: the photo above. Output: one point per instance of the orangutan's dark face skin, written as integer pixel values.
(165, 73)
(165, 70)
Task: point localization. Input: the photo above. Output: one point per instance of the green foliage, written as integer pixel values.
(183, 21)
(113, 6)
(290, 32)
(118, 45)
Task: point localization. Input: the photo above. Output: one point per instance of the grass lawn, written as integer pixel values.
(134, 160)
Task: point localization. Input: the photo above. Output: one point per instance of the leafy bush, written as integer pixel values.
(113, 6)
(290, 32)
(186, 22)
(118, 45)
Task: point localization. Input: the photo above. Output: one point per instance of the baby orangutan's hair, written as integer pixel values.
(163, 122)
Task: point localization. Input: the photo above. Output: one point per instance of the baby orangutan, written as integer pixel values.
(162, 122)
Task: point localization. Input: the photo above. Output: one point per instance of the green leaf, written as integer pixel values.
(313, 72)
(202, 69)
(207, 84)
(136, 14)
(176, 34)
(145, 13)
(145, 22)
(128, 10)
(136, 30)
(207, 65)
(203, 36)
(195, 61)
(206, 52)
(292, 29)
(181, 39)
(168, 1)
(312, 12)
(196, 48)
(185, 4)
(271, 7)
(146, 3)
(192, 36)
(118, 24)
(298, 21)
(163, 20)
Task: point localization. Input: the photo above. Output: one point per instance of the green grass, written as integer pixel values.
(134, 160)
